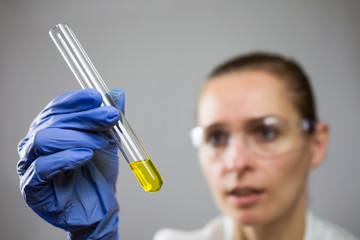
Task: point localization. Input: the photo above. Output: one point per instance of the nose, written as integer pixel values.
(237, 155)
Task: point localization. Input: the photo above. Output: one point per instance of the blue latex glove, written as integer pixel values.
(68, 165)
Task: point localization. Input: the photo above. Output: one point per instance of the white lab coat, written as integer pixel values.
(221, 228)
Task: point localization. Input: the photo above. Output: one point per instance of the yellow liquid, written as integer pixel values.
(147, 174)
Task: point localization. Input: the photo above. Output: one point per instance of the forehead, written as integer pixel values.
(240, 96)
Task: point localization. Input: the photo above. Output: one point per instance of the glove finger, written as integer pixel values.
(71, 102)
(96, 119)
(52, 140)
(46, 167)
(74, 101)
(35, 183)
(118, 96)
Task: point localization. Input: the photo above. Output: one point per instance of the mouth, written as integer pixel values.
(245, 196)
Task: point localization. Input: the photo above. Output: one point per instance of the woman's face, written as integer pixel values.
(249, 188)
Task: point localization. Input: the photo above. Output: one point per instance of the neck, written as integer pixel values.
(290, 225)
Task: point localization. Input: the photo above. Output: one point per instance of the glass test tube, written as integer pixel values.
(88, 77)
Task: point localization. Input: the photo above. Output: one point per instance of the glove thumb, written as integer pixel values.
(118, 96)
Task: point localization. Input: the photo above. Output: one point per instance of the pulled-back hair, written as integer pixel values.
(287, 70)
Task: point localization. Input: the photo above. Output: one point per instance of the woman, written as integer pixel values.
(258, 137)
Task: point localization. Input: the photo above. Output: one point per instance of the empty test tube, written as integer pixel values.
(88, 77)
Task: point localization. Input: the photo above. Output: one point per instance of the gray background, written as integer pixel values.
(159, 52)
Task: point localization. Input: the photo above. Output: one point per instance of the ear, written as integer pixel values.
(319, 143)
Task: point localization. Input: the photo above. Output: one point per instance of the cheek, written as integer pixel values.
(289, 177)
(208, 169)
(213, 174)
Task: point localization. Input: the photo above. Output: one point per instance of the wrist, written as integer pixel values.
(107, 229)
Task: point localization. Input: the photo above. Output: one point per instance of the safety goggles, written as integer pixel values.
(266, 136)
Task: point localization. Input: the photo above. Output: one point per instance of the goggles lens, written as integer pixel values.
(266, 136)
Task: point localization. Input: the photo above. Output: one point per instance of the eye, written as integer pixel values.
(217, 138)
(266, 133)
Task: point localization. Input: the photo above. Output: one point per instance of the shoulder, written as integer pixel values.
(216, 229)
(318, 229)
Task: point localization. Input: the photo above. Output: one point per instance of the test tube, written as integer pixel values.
(88, 77)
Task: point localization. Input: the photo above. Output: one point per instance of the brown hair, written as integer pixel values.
(286, 69)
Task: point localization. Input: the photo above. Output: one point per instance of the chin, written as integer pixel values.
(247, 217)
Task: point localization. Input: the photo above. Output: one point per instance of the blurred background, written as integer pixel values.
(160, 52)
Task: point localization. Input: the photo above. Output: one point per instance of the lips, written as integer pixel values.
(245, 191)
(245, 196)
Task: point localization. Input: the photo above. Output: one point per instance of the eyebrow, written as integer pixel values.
(248, 122)
(215, 126)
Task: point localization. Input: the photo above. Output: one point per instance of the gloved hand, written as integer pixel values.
(68, 165)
